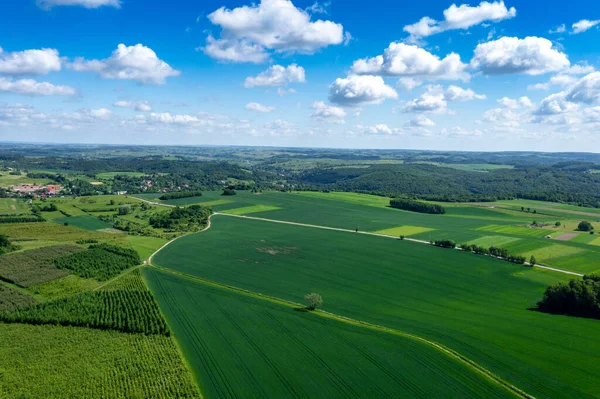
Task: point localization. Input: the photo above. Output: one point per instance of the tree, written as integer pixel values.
(528, 209)
(585, 226)
(532, 260)
(522, 209)
(313, 301)
(402, 237)
(124, 210)
(229, 191)
(534, 211)
(557, 224)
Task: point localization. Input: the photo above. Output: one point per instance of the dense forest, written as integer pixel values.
(417, 206)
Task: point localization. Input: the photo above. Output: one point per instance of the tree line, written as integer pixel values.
(575, 298)
(417, 206)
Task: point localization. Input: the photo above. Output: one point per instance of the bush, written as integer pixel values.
(445, 243)
(417, 206)
(585, 226)
(229, 191)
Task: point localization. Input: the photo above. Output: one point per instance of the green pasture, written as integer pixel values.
(251, 209)
(475, 305)
(403, 231)
(495, 241)
(111, 175)
(518, 231)
(7, 180)
(13, 206)
(235, 344)
(84, 222)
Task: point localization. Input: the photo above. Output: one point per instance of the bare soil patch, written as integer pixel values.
(566, 236)
(276, 250)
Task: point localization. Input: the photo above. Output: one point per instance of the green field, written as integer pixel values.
(12, 206)
(84, 222)
(242, 346)
(475, 305)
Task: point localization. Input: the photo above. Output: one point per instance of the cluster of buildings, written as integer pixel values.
(36, 190)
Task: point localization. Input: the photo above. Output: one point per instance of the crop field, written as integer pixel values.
(34, 266)
(403, 230)
(518, 231)
(84, 222)
(63, 287)
(73, 362)
(497, 241)
(252, 209)
(50, 232)
(234, 343)
(475, 305)
(12, 299)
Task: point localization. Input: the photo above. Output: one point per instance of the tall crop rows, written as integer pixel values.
(128, 308)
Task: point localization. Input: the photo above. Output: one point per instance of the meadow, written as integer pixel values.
(475, 305)
(240, 346)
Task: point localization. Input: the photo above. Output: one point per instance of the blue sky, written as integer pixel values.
(512, 75)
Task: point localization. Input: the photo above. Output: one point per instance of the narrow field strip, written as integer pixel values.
(480, 369)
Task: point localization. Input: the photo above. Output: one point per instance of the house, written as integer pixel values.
(53, 189)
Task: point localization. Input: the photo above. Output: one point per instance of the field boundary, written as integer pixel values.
(447, 351)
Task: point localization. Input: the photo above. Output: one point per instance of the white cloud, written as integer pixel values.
(48, 4)
(328, 113)
(461, 17)
(168, 119)
(532, 56)
(556, 104)
(455, 93)
(401, 59)
(319, 8)
(137, 105)
(435, 99)
(249, 32)
(407, 84)
(511, 103)
(100, 113)
(31, 87)
(586, 90)
(583, 25)
(138, 63)
(259, 108)
(357, 90)
(458, 131)
(565, 78)
(559, 29)
(234, 50)
(30, 62)
(580, 69)
(503, 117)
(378, 129)
(420, 121)
(276, 76)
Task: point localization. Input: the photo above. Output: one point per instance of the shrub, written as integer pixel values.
(313, 301)
(445, 243)
(585, 226)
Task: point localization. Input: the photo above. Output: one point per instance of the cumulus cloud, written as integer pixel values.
(455, 93)
(401, 59)
(137, 105)
(407, 84)
(511, 103)
(259, 108)
(30, 87)
(435, 99)
(328, 113)
(138, 63)
(508, 55)
(357, 90)
(461, 17)
(586, 90)
(420, 121)
(30, 62)
(458, 131)
(583, 25)
(249, 32)
(168, 119)
(276, 76)
(556, 104)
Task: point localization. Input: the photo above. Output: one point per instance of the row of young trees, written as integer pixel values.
(576, 298)
(130, 309)
(491, 251)
(99, 261)
(417, 206)
(180, 194)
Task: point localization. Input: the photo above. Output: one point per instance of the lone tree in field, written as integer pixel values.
(313, 301)
(585, 226)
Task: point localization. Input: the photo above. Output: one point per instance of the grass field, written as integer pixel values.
(403, 230)
(235, 344)
(55, 362)
(475, 305)
(84, 222)
(13, 206)
(252, 209)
